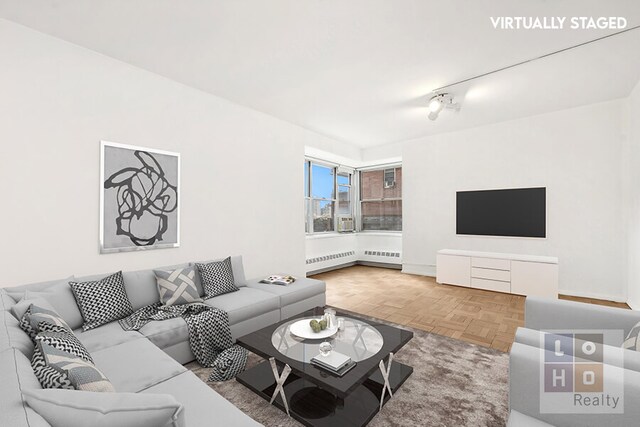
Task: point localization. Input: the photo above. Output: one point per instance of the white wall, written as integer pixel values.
(576, 154)
(322, 245)
(319, 245)
(241, 170)
(633, 194)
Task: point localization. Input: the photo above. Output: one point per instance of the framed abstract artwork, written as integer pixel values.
(139, 198)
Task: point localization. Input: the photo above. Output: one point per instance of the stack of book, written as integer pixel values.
(335, 362)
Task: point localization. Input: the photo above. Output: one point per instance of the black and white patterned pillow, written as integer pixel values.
(81, 373)
(62, 339)
(48, 376)
(36, 316)
(25, 324)
(102, 301)
(632, 341)
(177, 286)
(217, 277)
(61, 361)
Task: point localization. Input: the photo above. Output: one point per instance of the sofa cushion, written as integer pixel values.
(299, 290)
(136, 365)
(217, 277)
(6, 301)
(177, 286)
(12, 335)
(102, 301)
(105, 336)
(245, 303)
(166, 333)
(202, 405)
(66, 408)
(57, 293)
(17, 376)
(17, 292)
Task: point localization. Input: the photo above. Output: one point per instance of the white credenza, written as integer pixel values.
(510, 273)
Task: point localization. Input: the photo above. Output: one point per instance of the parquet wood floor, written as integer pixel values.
(481, 317)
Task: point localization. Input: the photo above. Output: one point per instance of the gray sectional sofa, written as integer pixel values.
(148, 363)
(542, 314)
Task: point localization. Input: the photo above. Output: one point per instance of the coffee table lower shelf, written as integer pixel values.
(315, 407)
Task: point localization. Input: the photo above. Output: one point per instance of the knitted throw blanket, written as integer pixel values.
(209, 335)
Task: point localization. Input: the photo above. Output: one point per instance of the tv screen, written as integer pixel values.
(518, 212)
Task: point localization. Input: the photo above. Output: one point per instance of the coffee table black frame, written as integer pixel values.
(317, 398)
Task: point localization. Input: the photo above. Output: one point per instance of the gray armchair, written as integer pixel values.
(525, 362)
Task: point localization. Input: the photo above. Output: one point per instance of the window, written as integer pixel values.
(344, 194)
(327, 194)
(389, 178)
(381, 199)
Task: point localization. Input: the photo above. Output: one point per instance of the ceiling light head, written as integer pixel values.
(439, 102)
(436, 104)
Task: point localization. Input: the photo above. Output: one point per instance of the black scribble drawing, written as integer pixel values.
(144, 199)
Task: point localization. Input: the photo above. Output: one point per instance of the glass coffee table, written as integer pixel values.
(314, 396)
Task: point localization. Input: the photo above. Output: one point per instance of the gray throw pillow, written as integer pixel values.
(102, 301)
(217, 277)
(64, 408)
(177, 286)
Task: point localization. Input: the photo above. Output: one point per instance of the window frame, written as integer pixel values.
(309, 199)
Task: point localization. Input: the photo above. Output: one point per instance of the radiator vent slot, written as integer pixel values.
(330, 257)
(383, 253)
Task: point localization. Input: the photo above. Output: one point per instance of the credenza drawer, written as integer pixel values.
(491, 285)
(494, 263)
(487, 273)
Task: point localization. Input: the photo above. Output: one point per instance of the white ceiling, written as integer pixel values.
(359, 71)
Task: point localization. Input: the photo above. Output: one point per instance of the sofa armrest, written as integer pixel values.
(544, 313)
(616, 355)
(524, 393)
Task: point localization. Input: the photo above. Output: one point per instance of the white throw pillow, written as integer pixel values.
(72, 408)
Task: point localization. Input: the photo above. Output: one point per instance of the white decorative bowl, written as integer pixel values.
(302, 329)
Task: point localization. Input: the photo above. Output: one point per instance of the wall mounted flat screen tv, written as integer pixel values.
(517, 212)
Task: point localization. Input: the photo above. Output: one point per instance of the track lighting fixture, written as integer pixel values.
(440, 102)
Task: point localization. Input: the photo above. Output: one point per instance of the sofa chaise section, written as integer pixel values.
(136, 365)
(203, 406)
(249, 309)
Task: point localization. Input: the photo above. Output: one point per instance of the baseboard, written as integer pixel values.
(380, 264)
(331, 268)
(593, 295)
(419, 269)
(351, 264)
